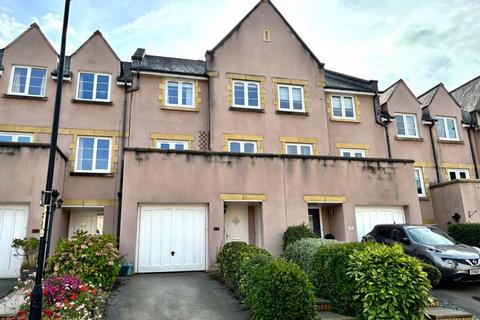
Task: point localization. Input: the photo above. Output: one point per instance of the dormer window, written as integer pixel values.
(447, 128)
(28, 81)
(406, 125)
(343, 108)
(93, 87)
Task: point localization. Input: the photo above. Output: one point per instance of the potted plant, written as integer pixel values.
(28, 248)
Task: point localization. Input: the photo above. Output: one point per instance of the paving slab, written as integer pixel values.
(444, 313)
(327, 315)
(10, 304)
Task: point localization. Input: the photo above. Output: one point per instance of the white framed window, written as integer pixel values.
(93, 86)
(299, 149)
(460, 174)
(353, 153)
(419, 182)
(28, 81)
(291, 98)
(15, 137)
(246, 94)
(93, 154)
(240, 146)
(447, 128)
(172, 145)
(406, 125)
(343, 107)
(180, 94)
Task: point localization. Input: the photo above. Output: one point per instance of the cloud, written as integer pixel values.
(10, 28)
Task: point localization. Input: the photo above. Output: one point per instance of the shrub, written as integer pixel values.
(232, 259)
(92, 258)
(278, 289)
(467, 233)
(433, 274)
(295, 233)
(26, 247)
(390, 284)
(302, 251)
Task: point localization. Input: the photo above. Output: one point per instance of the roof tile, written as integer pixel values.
(468, 95)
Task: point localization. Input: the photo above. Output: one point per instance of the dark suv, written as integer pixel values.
(456, 261)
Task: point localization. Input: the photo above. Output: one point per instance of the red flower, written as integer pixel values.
(48, 312)
(65, 301)
(57, 315)
(44, 291)
(73, 296)
(94, 291)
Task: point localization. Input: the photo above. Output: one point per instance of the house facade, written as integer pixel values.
(176, 157)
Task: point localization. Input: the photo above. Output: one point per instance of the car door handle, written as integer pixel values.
(172, 253)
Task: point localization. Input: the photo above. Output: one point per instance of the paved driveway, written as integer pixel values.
(174, 296)
(463, 295)
(6, 286)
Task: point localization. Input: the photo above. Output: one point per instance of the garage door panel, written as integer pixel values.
(369, 217)
(13, 224)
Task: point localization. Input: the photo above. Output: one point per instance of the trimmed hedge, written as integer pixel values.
(294, 233)
(467, 233)
(278, 289)
(330, 266)
(232, 259)
(390, 284)
(433, 274)
(302, 252)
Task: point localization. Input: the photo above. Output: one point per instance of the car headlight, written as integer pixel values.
(451, 264)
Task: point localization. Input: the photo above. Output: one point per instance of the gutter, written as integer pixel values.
(434, 150)
(472, 150)
(381, 123)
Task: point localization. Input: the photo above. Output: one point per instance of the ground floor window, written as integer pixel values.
(352, 153)
(299, 149)
(455, 174)
(420, 182)
(15, 137)
(172, 145)
(240, 146)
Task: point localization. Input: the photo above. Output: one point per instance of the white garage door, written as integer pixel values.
(171, 238)
(369, 217)
(13, 224)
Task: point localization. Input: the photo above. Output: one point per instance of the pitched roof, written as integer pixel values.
(33, 26)
(97, 33)
(426, 98)
(1, 59)
(385, 96)
(468, 95)
(304, 45)
(337, 80)
(173, 65)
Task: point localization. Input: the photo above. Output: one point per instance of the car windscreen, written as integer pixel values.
(429, 237)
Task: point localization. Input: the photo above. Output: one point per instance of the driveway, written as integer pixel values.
(6, 286)
(174, 296)
(466, 296)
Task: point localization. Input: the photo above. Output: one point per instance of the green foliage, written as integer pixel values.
(467, 233)
(433, 274)
(389, 284)
(232, 259)
(92, 258)
(302, 252)
(278, 289)
(329, 274)
(26, 247)
(294, 233)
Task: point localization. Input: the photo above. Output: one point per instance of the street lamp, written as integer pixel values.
(50, 195)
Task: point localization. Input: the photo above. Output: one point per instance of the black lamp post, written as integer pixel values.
(49, 196)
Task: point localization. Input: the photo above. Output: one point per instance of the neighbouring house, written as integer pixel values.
(177, 157)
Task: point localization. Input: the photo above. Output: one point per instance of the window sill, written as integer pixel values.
(91, 174)
(104, 103)
(246, 109)
(344, 120)
(450, 141)
(187, 109)
(294, 113)
(24, 97)
(408, 139)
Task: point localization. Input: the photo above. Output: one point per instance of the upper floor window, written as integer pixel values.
(180, 94)
(290, 98)
(28, 81)
(15, 137)
(93, 154)
(406, 125)
(447, 128)
(240, 146)
(343, 107)
(419, 182)
(352, 153)
(172, 145)
(93, 86)
(246, 94)
(455, 174)
(299, 149)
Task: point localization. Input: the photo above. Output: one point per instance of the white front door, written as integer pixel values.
(171, 238)
(369, 217)
(13, 225)
(236, 224)
(82, 221)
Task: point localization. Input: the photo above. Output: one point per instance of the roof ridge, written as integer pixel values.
(187, 59)
(434, 87)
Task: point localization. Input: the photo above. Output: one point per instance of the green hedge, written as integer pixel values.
(433, 274)
(330, 266)
(390, 284)
(294, 233)
(278, 289)
(302, 252)
(232, 259)
(467, 233)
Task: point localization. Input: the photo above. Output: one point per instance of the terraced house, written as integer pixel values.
(177, 156)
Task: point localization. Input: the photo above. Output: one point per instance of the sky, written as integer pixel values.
(423, 42)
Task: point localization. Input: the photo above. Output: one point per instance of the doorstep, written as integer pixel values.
(10, 304)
